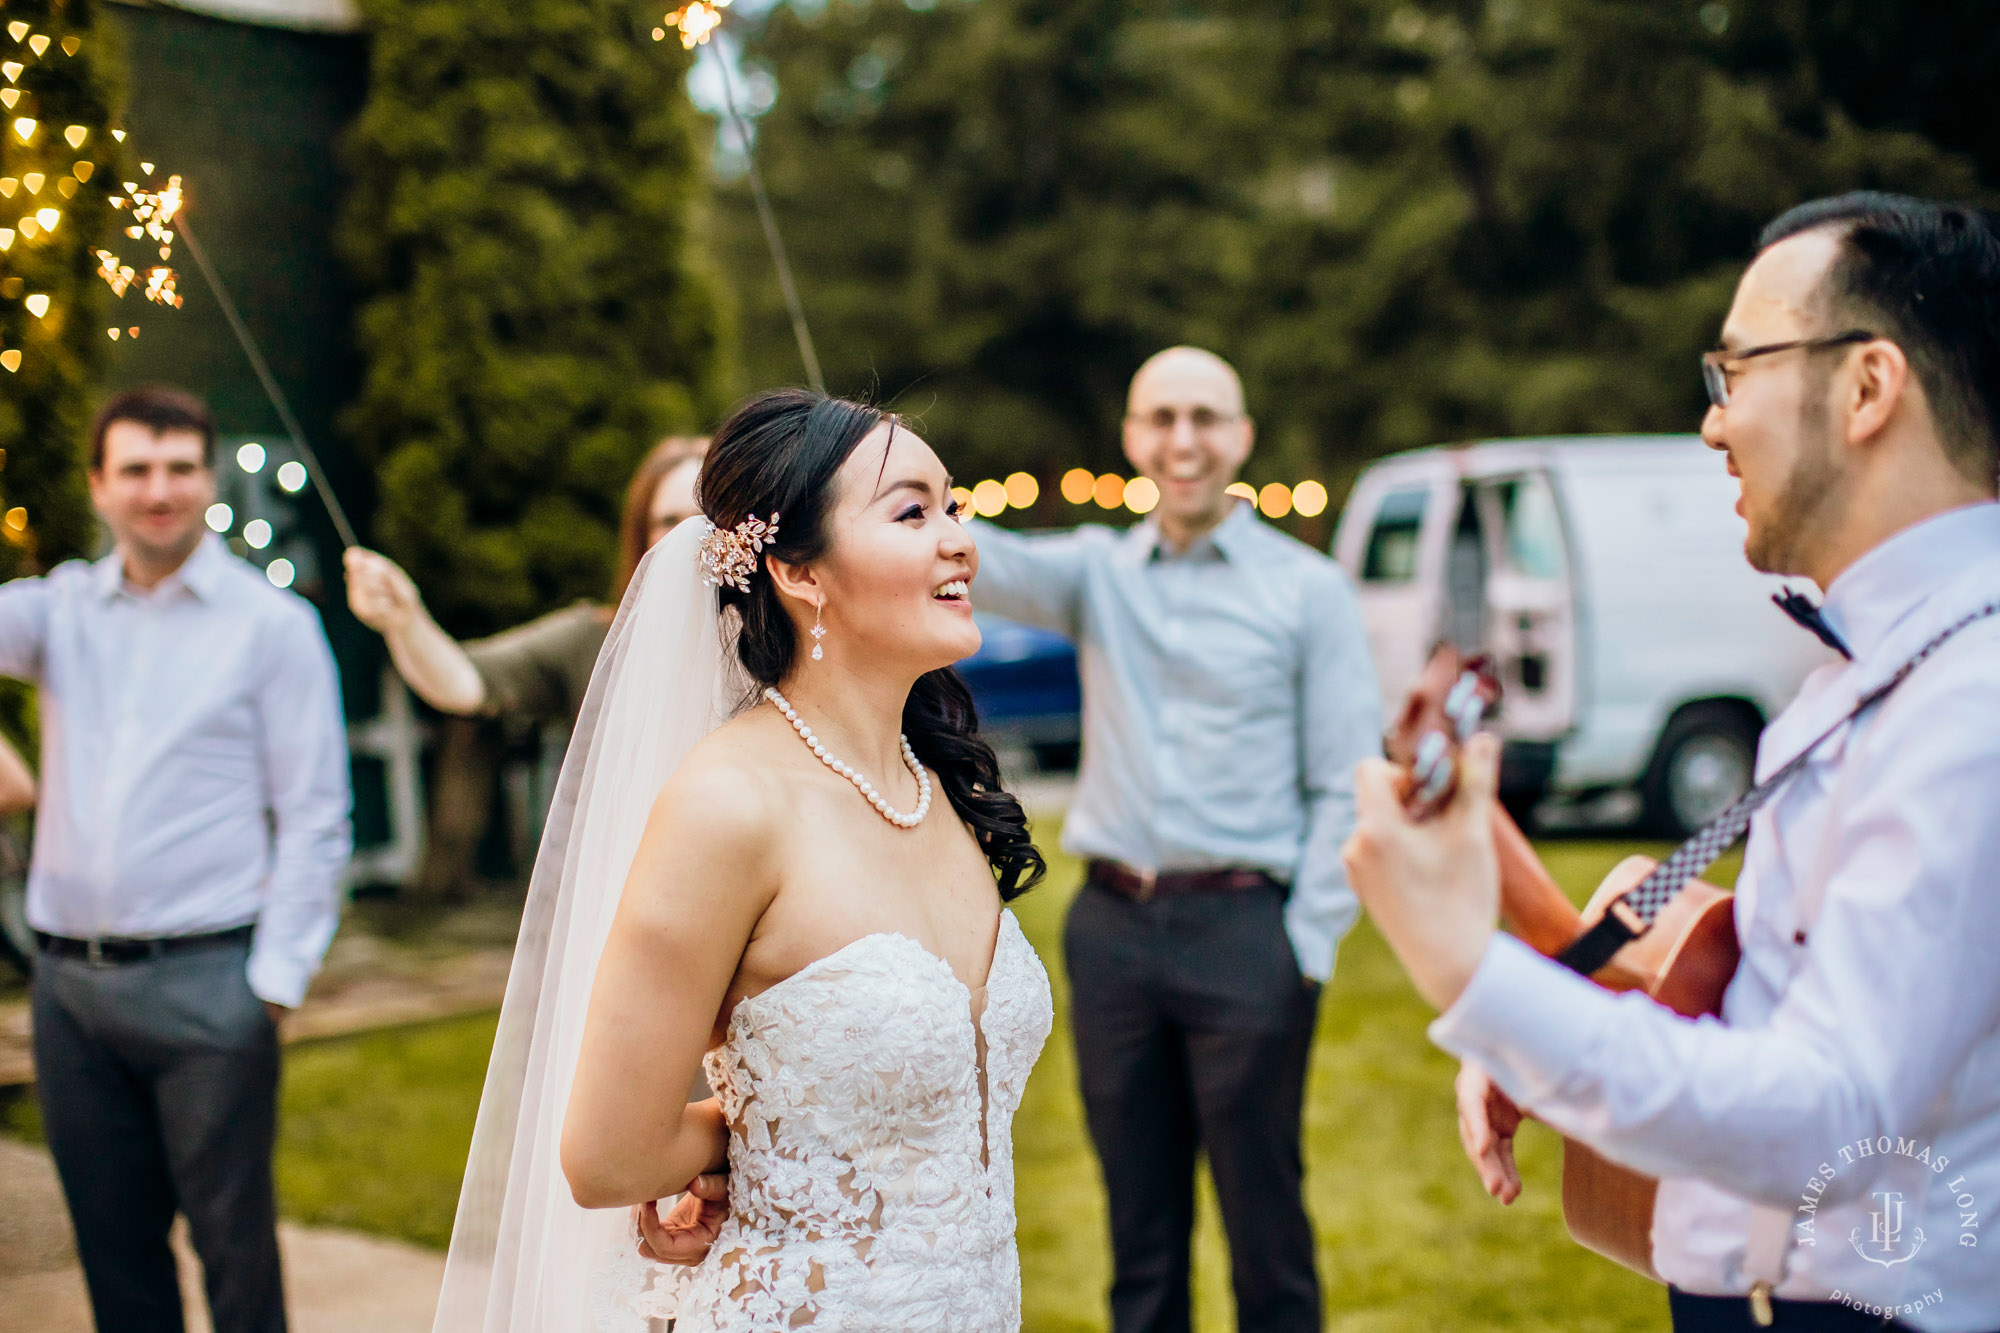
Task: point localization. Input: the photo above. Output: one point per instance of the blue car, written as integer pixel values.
(1025, 685)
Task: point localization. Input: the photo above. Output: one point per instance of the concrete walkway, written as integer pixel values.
(336, 1281)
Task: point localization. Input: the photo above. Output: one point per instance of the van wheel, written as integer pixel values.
(1705, 760)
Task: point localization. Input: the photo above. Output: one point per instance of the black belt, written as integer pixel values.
(1143, 886)
(112, 951)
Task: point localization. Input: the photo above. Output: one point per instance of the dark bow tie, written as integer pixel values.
(1808, 615)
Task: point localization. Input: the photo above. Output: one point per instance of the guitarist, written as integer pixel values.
(1850, 1098)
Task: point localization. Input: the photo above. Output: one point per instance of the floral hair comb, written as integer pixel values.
(730, 555)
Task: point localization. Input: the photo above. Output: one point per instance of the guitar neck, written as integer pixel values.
(1532, 905)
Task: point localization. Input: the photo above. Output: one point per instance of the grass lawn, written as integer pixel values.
(375, 1129)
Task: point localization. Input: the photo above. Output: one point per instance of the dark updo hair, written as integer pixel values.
(780, 454)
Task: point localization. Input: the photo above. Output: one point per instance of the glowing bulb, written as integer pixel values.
(38, 304)
(33, 181)
(1141, 495)
(17, 30)
(11, 359)
(220, 516)
(280, 572)
(25, 127)
(1309, 498)
(114, 334)
(48, 217)
(1275, 500)
(9, 96)
(258, 533)
(1244, 489)
(989, 498)
(1077, 484)
(1108, 490)
(119, 135)
(1022, 490)
(76, 134)
(250, 458)
(12, 69)
(39, 44)
(292, 477)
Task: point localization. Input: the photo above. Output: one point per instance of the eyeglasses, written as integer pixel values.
(1715, 365)
(1202, 419)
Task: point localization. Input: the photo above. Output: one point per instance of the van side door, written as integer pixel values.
(1527, 616)
(1389, 541)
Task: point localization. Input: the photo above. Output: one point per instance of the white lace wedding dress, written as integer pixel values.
(871, 1101)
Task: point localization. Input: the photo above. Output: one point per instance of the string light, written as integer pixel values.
(1243, 489)
(1109, 491)
(1022, 490)
(11, 359)
(280, 572)
(18, 29)
(963, 495)
(258, 533)
(219, 516)
(25, 128)
(39, 44)
(1275, 500)
(989, 499)
(292, 477)
(38, 304)
(1309, 498)
(1141, 494)
(250, 458)
(1077, 483)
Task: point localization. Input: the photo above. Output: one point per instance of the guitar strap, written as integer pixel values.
(1632, 914)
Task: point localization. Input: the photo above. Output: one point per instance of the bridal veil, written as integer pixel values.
(522, 1251)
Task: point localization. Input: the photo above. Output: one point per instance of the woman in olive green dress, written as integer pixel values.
(542, 668)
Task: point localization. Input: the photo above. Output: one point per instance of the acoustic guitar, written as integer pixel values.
(1683, 959)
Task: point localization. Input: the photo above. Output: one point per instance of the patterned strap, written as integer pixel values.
(1643, 903)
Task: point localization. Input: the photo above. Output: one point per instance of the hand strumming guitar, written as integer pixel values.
(1432, 887)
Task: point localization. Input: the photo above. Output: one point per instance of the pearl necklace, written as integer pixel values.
(861, 784)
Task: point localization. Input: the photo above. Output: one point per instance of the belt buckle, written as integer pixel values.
(93, 952)
(1149, 884)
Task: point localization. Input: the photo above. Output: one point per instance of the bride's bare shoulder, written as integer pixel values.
(729, 789)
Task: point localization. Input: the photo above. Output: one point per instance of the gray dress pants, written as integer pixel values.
(158, 1082)
(1193, 1029)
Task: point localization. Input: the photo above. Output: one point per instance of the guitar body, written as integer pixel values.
(1684, 962)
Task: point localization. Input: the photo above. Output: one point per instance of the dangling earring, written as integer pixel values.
(818, 632)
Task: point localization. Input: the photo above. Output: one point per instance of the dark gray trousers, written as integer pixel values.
(1193, 1027)
(158, 1083)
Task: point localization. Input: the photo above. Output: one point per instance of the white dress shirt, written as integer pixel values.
(1862, 1031)
(1227, 697)
(194, 761)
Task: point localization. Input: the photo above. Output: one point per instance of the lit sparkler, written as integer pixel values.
(696, 22)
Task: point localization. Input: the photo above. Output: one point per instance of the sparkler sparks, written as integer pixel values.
(696, 22)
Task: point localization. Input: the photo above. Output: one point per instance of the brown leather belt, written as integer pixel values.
(1144, 885)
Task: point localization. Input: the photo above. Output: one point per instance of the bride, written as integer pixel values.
(745, 875)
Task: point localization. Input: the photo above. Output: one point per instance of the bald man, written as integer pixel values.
(1227, 696)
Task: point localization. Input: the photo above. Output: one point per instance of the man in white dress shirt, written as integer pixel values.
(192, 827)
(1837, 1135)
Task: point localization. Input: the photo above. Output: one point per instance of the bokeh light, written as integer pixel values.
(989, 499)
(1244, 489)
(1108, 491)
(250, 458)
(1141, 495)
(280, 572)
(258, 533)
(1275, 500)
(1077, 485)
(964, 498)
(1310, 499)
(292, 477)
(1022, 490)
(220, 516)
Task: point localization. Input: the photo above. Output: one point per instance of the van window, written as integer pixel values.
(1392, 546)
(1534, 529)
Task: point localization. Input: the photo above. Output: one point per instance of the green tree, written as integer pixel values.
(56, 153)
(1407, 223)
(525, 184)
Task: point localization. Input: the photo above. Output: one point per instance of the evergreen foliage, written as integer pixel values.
(525, 174)
(48, 364)
(1407, 223)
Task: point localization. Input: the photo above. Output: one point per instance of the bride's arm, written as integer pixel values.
(704, 873)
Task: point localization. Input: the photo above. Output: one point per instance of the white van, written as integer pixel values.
(1640, 654)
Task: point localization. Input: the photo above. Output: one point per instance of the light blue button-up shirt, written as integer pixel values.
(194, 760)
(1227, 697)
